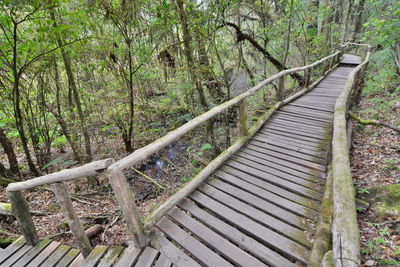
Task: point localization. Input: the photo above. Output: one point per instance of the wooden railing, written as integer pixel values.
(345, 232)
(21, 211)
(137, 226)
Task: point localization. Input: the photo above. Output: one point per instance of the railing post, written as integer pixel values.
(20, 210)
(281, 88)
(63, 199)
(309, 72)
(127, 202)
(242, 120)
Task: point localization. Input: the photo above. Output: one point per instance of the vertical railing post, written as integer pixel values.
(21, 212)
(243, 116)
(63, 199)
(281, 88)
(127, 202)
(309, 72)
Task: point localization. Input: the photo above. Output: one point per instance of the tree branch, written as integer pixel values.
(373, 122)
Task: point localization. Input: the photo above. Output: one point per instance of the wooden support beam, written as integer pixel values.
(127, 202)
(20, 210)
(63, 199)
(89, 169)
(308, 77)
(243, 118)
(281, 88)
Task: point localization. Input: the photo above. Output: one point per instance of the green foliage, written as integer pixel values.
(59, 163)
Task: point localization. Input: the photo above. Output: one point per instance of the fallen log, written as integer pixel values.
(372, 122)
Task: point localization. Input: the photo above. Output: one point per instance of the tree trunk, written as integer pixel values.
(9, 150)
(358, 20)
(17, 105)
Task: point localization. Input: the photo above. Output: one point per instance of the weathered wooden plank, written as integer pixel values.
(177, 256)
(12, 248)
(312, 107)
(290, 179)
(163, 261)
(128, 257)
(95, 256)
(212, 239)
(304, 120)
(287, 140)
(320, 128)
(234, 235)
(147, 258)
(257, 200)
(277, 226)
(111, 256)
(78, 261)
(308, 116)
(68, 258)
(56, 256)
(301, 128)
(16, 256)
(291, 130)
(291, 161)
(194, 247)
(274, 194)
(33, 252)
(39, 259)
(312, 140)
(309, 112)
(261, 233)
(274, 145)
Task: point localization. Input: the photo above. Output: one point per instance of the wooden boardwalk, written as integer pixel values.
(259, 209)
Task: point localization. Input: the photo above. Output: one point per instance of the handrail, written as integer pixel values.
(345, 232)
(120, 185)
(21, 211)
(141, 154)
(86, 170)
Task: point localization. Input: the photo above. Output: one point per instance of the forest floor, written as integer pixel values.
(171, 168)
(375, 166)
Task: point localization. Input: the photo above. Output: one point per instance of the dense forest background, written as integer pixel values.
(85, 79)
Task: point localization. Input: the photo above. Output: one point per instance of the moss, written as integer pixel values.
(53, 208)
(4, 242)
(5, 181)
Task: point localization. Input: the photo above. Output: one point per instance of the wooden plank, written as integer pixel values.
(12, 248)
(39, 259)
(68, 258)
(163, 261)
(266, 174)
(285, 139)
(128, 257)
(313, 140)
(194, 247)
(147, 258)
(293, 161)
(95, 256)
(177, 256)
(320, 128)
(255, 196)
(33, 252)
(56, 256)
(78, 261)
(255, 214)
(16, 256)
(212, 239)
(276, 166)
(272, 144)
(274, 194)
(305, 119)
(111, 256)
(292, 130)
(234, 235)
(303, 114)
(266, 148)
(256, 230)
(311, 107)
(311, 102)
(307, 111)
(270, 169)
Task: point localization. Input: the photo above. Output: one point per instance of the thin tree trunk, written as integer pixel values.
(17, 106)
(9, 150)
(358, 20)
